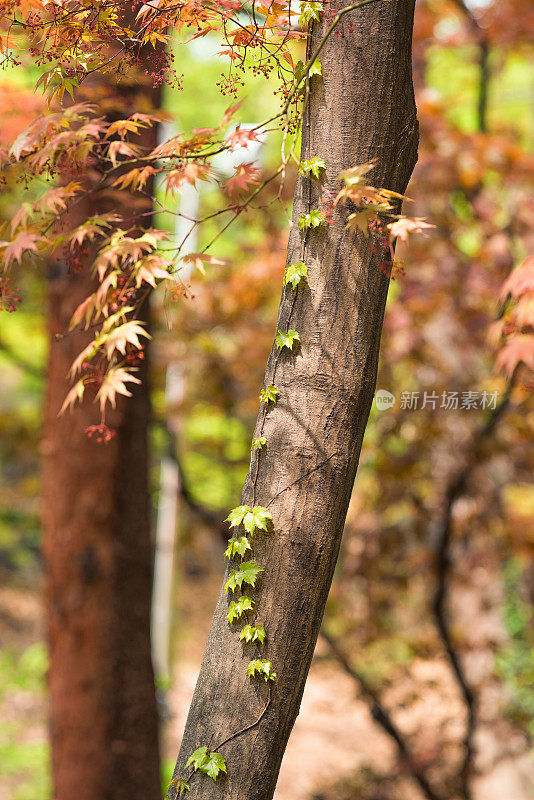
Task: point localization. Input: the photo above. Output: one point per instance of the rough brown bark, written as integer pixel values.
(363, 110)
(98, 570)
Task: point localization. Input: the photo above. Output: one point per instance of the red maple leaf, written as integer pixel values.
(241, 136)
(245, 176)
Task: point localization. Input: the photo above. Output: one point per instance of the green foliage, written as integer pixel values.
(515, 662)
(309, 11)
(237, 608)
(286, 339)
(21, 758)
(270, 394)
(261, 668)
(216, 450)
(209, 763)
(316, 68)
(295, 273)
(313, 219)
(253, 633)
(25, 672)
(180, 785)
(313, 166)
(252, 519)
(247, 573)
(258, 442)
(237, 547)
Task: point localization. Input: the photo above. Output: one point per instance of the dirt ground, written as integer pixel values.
(336, 750)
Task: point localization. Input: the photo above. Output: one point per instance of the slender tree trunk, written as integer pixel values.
(364, 109)
(98, 567)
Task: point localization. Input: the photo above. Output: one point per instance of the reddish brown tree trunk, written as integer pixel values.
(98, 559)
(98, 565)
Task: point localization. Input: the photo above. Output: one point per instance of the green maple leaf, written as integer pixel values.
(313, 166)
(294, 274)
(180, 785)
(286, 339)
(237, 608)
(260, 668)
(252, 633)
(258, 442)
(309, 11)
(313, 219)
(270, 394)
(237, 547)
(247, 572)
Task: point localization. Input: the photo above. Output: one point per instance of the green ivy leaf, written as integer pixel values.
(180, 785)
(208, 763)
(270, 394)
(237, 608)
(237, 547)
(252, 633)
(294, 274)
(257, 518)
(316, 68)
(313, 166)
(214, 764)
(260, 668)
(197, 758)
(247, 572)
(236, 515)
(313, 219)
(309, 11)
(286, 339)
(252, 518)
(258, 442)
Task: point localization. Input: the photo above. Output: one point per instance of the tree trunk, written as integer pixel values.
(363, 110)
(98, 565)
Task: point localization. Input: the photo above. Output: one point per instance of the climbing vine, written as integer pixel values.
(374, 214)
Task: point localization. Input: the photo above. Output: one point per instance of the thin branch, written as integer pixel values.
(444, 564)
(211, 518)
(483, 64)
(382, 717)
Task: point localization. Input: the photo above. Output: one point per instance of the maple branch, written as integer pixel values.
(382, 717)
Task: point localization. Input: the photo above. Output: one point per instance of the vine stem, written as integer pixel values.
(248, 727)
